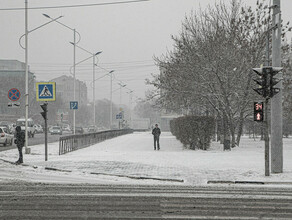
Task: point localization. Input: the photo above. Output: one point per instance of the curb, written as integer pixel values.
(56, 169)
(248, 182)
(140, 177)
(106, 174)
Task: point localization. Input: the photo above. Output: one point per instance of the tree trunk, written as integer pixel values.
(240, 129)
(226, 143)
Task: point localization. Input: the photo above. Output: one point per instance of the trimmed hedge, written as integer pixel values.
(194, 132)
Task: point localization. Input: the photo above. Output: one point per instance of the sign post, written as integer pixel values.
(45, 91)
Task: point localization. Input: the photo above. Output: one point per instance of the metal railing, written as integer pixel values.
(79, 141)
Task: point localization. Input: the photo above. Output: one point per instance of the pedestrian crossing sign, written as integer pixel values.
(46, 91)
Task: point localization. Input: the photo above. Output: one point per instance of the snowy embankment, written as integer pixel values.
(132, 155)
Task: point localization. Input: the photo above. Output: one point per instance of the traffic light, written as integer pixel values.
(45, 108)
(258, 113)
(262, 81)
(267, 81)
(274, 81)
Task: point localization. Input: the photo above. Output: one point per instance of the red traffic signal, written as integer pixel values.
(258, 111)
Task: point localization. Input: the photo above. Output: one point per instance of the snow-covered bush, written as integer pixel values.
(195, 132)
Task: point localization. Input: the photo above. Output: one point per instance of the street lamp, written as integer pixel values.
(121, 86)
(130, 105)
(26, 67)
(93, 74)
(111, 79)
(74, 60)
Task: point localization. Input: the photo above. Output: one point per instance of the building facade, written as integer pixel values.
(65, 90)
(12, 75)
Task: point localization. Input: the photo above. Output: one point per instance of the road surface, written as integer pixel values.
(46, 201)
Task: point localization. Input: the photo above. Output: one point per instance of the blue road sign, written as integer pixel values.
(74, 105)
(46, 91)
(119, 116)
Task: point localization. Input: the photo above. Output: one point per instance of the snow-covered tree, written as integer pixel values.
(210, 65)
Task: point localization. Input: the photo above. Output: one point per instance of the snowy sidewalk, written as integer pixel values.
(132, 155)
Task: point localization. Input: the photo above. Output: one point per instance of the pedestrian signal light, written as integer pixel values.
(258, 111)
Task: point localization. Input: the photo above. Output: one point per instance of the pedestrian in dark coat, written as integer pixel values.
(156, 133)
(19, 141)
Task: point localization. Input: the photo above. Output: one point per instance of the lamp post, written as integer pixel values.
(26, 75)
(130, 106)
(26, 32)
(111, 79)
(111, 99)
(121, 86)
(74, 60)
(93, 74)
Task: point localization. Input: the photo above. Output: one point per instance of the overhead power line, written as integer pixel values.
(74, 6)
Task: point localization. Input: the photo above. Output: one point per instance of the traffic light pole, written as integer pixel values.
(267, 147)
(45, 116)
(266, 120)
(276, 101)
(46, 138)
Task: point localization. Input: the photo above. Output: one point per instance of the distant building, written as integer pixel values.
(64, 89)
(12, 75)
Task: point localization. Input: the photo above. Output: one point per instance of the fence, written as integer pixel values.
(75, 142)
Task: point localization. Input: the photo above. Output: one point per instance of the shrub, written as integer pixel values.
(194, 132)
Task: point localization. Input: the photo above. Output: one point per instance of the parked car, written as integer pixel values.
(79, 130)
(7, 124)
(38, 129)
(56, 130)
(66, 127)
(30, 126)
(92, 128)
(5, 137)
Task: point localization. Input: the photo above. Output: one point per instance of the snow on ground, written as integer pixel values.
(132, 155)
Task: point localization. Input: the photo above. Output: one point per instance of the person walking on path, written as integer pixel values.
(19, 141)
(156, 133)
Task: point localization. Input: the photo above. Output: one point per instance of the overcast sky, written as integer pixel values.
(129, 35)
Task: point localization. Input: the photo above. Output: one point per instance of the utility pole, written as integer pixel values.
(27, 150)
(276, 101)
(111, 100)
(93, 92)
(266, 119)
(74, 80)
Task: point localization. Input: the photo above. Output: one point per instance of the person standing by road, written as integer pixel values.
(19, 141)
(156, 133)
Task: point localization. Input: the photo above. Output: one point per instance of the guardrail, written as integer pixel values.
(79, 141)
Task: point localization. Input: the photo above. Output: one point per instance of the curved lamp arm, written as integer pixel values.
(19, 41)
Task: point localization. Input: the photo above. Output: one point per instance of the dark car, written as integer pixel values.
(56, 130)
(79, 130)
